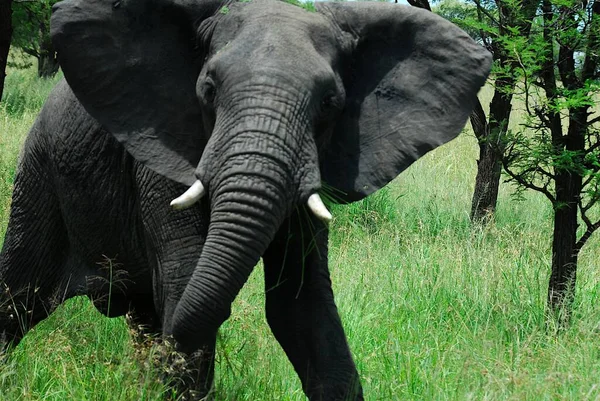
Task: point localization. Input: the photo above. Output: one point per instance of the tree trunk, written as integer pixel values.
(490, 137)
(5, 37)
(47, 61)
(568, 180)
(487, 182)
(561, 289)
(47, 66)
(565, 250)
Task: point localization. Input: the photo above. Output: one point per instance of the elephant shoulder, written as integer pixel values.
(66, 133)
(63, 118)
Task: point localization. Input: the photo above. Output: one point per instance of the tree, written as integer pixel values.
(462, 14)
(557, 151)
(5, 36)
(31, 22)
(497, 25)
(502, 24)
(553, 48)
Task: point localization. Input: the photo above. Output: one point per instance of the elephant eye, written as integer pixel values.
(330, 106)
(329, 102)
(209, 90)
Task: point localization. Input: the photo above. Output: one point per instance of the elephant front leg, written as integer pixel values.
(189, 374)
(144, 324)
(302, 314)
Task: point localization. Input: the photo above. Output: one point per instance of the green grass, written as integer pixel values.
(433, 308)
(23, 96)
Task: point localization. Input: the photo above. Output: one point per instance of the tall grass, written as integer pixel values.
(24, 92)
(434, 309)
(23, 96)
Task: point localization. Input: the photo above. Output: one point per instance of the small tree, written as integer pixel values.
(462, 13)
(502, 24)
(557, 151)
(31, 22)
(497, 25)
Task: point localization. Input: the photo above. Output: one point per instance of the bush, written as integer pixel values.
(25, 92)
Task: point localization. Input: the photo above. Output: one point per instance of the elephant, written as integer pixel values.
(191, 138)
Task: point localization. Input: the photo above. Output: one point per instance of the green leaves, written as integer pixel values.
(463, 14)
(556, 149)
(31, 33)
(306, 5)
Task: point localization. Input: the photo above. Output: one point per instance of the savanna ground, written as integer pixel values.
(434, 308)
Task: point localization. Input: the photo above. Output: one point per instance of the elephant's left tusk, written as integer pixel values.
(189, 197)
(315, 204)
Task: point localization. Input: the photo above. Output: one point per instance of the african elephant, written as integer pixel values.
(258, 106)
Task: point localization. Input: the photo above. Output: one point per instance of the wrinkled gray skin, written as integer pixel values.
(264, 103)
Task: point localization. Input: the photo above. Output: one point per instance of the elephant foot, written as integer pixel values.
(144, 333)
(190, 376)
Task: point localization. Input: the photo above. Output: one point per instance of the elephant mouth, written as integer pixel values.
(196, 191)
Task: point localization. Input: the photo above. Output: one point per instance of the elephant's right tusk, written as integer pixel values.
(189, 197)
(316, 205)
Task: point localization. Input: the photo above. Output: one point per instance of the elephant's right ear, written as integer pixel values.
(133, 64)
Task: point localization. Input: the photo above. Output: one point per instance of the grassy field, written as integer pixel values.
(434, 309)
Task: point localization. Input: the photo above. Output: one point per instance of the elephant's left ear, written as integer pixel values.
(133, 64)
(411, 82)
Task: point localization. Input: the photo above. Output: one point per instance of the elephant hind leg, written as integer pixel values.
(33, 279)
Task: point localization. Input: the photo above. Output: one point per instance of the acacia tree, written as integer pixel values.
(5, 36)
(557, 151)
(462, 13)
(497, 25)
(31, 22)
(502, 23)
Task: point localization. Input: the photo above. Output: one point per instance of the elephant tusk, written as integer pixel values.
(189, 197)
(315, 204)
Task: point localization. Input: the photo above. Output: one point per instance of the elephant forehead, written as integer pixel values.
(272, 37)
(272, 26)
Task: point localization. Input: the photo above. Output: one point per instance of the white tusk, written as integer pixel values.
(189, 197)
(315, 204)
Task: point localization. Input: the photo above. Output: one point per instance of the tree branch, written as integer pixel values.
(518, 178)
(587, 234)
(590, 64)
(479, 121)
(31, 52)
(484, 38)
(584, 184)
(592, 147)
(486, 13)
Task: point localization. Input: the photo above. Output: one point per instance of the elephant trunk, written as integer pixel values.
(251, 194)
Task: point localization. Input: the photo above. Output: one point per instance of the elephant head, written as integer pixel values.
(259, 104)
